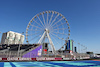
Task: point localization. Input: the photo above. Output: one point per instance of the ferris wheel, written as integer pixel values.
(48, 26)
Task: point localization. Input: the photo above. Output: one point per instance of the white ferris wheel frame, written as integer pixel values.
(50, 24)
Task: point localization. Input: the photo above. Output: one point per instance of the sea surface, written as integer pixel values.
(87, 63)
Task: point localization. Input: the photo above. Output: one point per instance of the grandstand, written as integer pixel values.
(16, 50)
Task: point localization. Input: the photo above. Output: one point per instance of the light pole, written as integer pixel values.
(0, 39)
(82, 48)
(86, 49)
(19, 47)
(79, 50)
(79, 47)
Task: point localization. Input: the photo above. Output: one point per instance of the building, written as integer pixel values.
(11, 37)
(45, 48)
(69, 46)
(75, 49)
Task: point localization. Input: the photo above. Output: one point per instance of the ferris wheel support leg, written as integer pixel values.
(51, 43)
(41, 39)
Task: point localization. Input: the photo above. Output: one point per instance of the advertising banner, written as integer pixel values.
(34, 53)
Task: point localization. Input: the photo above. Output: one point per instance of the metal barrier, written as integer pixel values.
(69, 56)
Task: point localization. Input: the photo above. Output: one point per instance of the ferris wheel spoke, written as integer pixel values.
(57, 36)
(43, 19)
(59, 25)
(51, 18)
(60, 33)
(37, 23)
(60, 29)
(34, 30)
(55, 39)
(58, 21)
(62, 46)
(40, 21)
(54, 19)
(34, 33)
(36, 26)
(37, 40)
(47, 18)
(34, 37)
(63, 27)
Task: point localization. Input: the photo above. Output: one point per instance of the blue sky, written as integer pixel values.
(82, 15)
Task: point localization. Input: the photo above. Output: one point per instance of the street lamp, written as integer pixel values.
(19, 47)
(82, 48)
(0, 39)
(86, 49)
(79, 47)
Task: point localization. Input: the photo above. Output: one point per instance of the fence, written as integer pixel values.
(58, 55)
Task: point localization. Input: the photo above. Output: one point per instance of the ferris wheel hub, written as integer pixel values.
(47, 30)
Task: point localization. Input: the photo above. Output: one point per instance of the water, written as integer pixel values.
(88, 63)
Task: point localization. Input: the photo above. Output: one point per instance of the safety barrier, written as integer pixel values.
(37, 59)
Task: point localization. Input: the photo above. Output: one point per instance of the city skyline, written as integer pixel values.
(83, 17)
